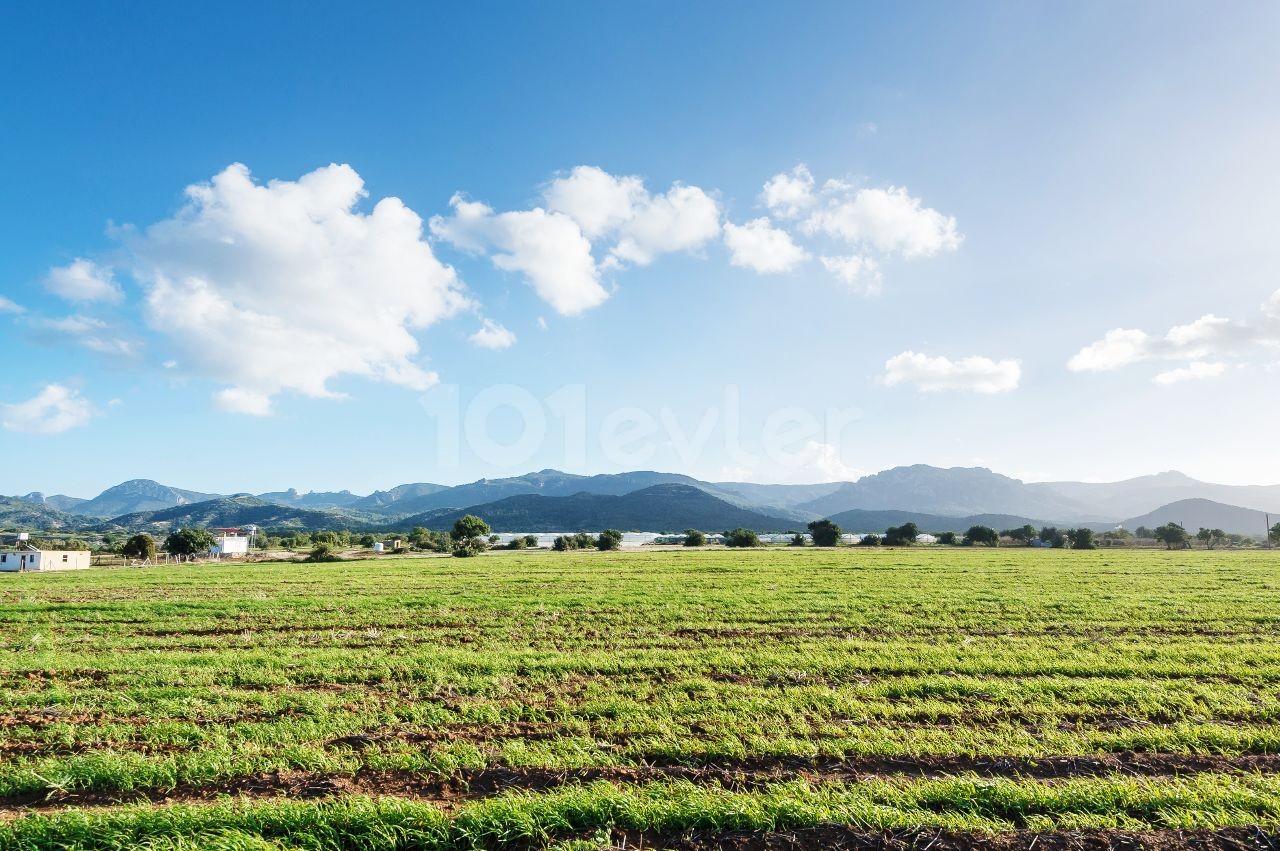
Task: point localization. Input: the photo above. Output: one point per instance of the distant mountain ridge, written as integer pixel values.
(955, 493)
(668, 507)
(1194, 514)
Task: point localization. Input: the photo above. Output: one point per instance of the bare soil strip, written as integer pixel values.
(740, 775)
(851, 839)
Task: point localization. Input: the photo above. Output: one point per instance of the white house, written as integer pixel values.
(24, 557)
(232, 543)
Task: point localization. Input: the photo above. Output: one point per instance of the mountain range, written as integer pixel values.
(551, 500)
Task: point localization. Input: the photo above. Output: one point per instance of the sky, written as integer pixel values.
(248, 247)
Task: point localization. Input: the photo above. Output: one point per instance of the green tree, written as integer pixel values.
(1172, 536)
(468, 547)
(1053, 536)
(1273, 534)
(141, 546)
(1023, 534)
(901, 536)
(470, 526)
(188, 542)
(1144, 532)
(367, 541)
(825, 533)
(1081, 539)
(869, 541)
(694, 538)
(531, 541)
(947, 539)
(563, 543)
(610, 539)
(1211, 537)
(981, 536)
(741, 538)
(797, 540)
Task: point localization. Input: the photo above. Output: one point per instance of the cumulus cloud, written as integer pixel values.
(683, 219)
(1209, 336)
(588, 210)
(759, 246)
(929, 374)
(493, 336)
(787, 195)
(596, 200)
(53, 410)
(83, 281)
(547, 247)
(865, 224)
(286, 286)
(1190, 372)
(889, 220)
(860, 273)
(7, 306)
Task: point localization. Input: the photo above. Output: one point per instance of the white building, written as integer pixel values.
(24, 557)
(231, 543)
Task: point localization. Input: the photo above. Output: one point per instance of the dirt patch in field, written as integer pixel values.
(739, 775)
(840, 837)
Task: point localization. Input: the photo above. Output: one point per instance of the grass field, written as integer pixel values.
(772, 698)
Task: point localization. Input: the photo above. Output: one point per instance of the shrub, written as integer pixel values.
(797, 540)
(983, 536)
(825, 533)
(139, 546)
(869, 541)
(741, 538)
(322, 553)
(901, 536)
(610, 539)
(694, 538)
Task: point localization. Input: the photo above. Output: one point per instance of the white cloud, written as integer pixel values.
(285, 286)
(53, 410)
(595, 199)
(787, 195)
(238, 400)
(554, 247)
(866, 225)
(759, 246)
(83, 280)
(889, 220)
(825, 461)
(860, 273)
(1194, 370)
(929, 374)
(7, 306)
(493, 336)
(92, 333)
(683, 219)
(1208, 336)
(548, 248)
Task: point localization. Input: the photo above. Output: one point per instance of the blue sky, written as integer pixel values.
(971, 199)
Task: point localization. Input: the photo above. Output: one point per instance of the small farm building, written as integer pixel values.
(23, 556)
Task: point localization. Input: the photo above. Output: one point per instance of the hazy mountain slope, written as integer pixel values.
(862, 520)
(1142, 494)
(1195, 513)
(58, 502)
(547, 483)
(138, 495)
(390, 499)
(21, 515)
(314, 499)
(661, 508)
(788, 497)
(232, 512)
(954, 492)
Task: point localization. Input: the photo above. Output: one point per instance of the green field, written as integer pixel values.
(689, 698)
